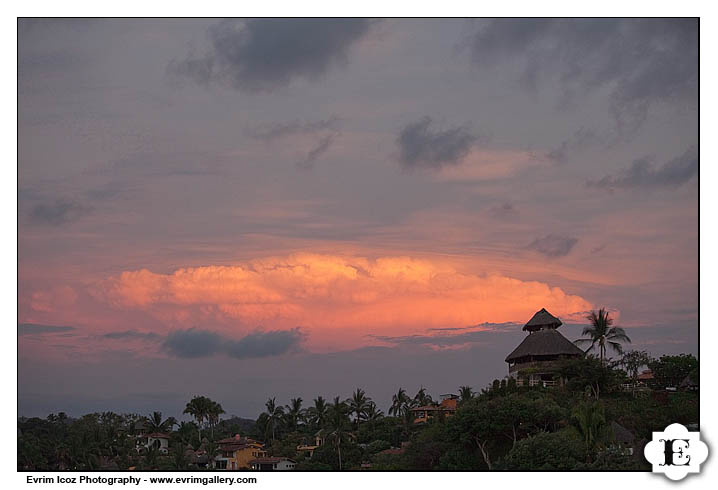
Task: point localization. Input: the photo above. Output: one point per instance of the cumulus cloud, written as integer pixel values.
(195, 343)
(553, 245)
(421, 146)
(261, 55)
(58, 212)
(336, 295)
(644, 173)
(639, 61)
(37, 329)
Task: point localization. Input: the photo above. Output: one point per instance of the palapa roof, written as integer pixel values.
(542, 319)
(546, 342)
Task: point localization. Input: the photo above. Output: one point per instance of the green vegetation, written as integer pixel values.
(501, 427)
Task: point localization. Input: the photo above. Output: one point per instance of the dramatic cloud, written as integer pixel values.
(341, 297)
(260, 55)
(193, 343)
(640, 61)
(59, 212)
(553, 245)
(643, 173)
(422, 147)
(35, 329)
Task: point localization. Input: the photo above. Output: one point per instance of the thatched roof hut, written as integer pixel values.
(543, 343)
(542, 319)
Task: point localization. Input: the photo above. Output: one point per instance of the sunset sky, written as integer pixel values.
(247, 209)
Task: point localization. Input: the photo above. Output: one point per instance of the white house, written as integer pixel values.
(273, 464)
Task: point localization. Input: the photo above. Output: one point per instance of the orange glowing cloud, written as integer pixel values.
(337, 299)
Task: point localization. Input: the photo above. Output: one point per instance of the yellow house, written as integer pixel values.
(236, 453)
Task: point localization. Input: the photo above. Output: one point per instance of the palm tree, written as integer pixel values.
(154, 423)
(294, 412)
(214, 411)
(601, 333)
(199, 408)
(466, 393)
(590, 421)
(359, 404)
(372, 413)
(338, 422)
(399, 403)
(317, 414)
(274, 415)
(421, 399)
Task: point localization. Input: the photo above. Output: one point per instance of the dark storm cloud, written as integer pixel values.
(640, 61)
(263, 344)
(260, 55)
(37, 329)
(58, 212)
(553, 245)
(643, 173)
(423, 147)
(132, 335)
(195, 343)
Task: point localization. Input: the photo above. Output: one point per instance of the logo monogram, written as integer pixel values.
(676, 452)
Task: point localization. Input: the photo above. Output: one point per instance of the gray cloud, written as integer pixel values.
(194, 343)
(553, 245)
(270, 132)
(58, 212)
(260, 55)
(448, 339)
(422, 147)
(579, 140)
(37, 329)
(324, 143)
(263, 344)
(132, 335)
(640, 61)
(643, 173)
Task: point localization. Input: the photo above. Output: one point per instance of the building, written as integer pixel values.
(319, 438)
(156, 440)
(237, 452)
(537, 358)
(446, 408)
(272, 464)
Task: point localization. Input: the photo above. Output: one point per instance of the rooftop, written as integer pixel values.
(542, 319)
(545, 342)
